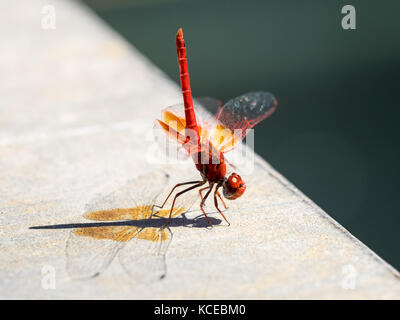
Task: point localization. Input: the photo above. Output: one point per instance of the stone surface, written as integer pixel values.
(76, 117)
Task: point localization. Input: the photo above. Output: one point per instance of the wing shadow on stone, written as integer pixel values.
(141, 245)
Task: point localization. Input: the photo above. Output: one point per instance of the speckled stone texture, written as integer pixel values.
(76, 115)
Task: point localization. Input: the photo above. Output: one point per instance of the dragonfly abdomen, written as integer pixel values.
(190, 116)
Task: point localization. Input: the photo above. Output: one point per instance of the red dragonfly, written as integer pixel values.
(207, 142)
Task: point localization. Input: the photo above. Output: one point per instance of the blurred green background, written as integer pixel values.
(335, 133)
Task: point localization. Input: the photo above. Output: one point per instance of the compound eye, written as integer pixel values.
(234, 181)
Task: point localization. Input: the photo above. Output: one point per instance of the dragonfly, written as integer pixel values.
(207, 142)
(125, 224)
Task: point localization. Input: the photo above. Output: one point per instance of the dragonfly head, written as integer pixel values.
(234, 187)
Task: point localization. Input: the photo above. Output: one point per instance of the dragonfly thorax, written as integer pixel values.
(212, 167)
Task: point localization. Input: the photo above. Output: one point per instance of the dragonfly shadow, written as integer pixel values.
(183, 221)
(92, 246)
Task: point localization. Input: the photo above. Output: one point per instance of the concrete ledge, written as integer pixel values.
(77, 105)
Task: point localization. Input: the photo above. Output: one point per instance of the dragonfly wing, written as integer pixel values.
(206, 108)
(211, 106)
(115, 220)
(169, 133)
(143, 258)
(174, 117)
(173, 123)
(239, 115)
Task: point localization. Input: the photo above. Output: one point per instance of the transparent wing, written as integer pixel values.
(238, 115)
(230, 124)
(210, 105)
(115, 219)
(247, 110)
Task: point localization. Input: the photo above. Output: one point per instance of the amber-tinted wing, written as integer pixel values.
(173, 124)
(228, 127)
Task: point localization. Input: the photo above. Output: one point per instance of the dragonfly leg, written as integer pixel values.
(201, 190)
(176, 186)
(179, 194)
(203, 201)
(216, 205)
(219, 196)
